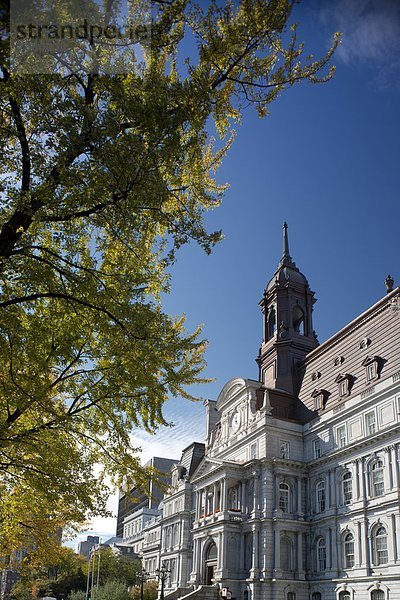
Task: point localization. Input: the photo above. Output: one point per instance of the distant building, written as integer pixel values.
(170, 535)
(85, 546)
(136, 507)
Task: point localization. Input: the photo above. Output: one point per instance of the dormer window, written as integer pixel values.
(345, 382)
(320, 398)
(372, 366)
(298, 320)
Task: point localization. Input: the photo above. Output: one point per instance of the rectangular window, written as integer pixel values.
(371, 371)
(317, 448)
(321, 497)
(370, 423)
(318, 402)
(284, 448)
(341, 436)
(321, 557)
(343, 388)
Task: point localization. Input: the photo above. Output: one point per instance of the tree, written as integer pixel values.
(112, 590)
(114, 567)
(150, 591)
(77, 595)
(103, 178)
(62, 577)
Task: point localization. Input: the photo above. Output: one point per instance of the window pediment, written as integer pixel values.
(320, 398)
(345, 382)
(373, 367)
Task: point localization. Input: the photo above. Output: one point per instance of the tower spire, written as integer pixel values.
(286, 258)
(286, 253)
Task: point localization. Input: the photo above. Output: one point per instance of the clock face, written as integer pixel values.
(235, 423)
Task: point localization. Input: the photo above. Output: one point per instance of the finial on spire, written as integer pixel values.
(389, 284)
(286, 253)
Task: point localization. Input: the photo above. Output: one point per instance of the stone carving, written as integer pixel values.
(282, 330)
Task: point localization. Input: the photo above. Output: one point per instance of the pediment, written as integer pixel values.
(207, 466)
(232, 389)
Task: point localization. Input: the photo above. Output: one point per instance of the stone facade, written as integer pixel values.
(298, 494)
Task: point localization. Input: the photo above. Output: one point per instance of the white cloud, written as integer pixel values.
(371, 32)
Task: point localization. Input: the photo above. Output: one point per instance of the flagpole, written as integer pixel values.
(98, 567)
(88, 578)
(94, 558)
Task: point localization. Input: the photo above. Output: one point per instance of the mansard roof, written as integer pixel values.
(375, 332)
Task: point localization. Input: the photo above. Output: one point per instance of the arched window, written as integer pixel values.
(284, 497)
(316, 596)
(377, 479)
(291, 596)
(212, 552)
(321, 555)
(320, 496)
(286, 554)
(298, 320)
(345, 595)
(271, 323)
(347, 487)
(381, 550)
(377, 595)
(349, 551)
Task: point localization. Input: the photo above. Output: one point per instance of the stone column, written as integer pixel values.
(223, 553)
(219, 559)
(275, 498)
(328, 488)
(243, 496)
(365, 483)
(299, 540)
(255, 566)
(388, 451)
(396, 465)
(214, 497)
(394, 555)
(299, 497)
(357, 464)
(241, 552)
(277, 549)
(367, 546)
(256, 498)
(224, 494)
(333, 497)
(329, 549)
(332, 544)
(389, 530)
(360, 552)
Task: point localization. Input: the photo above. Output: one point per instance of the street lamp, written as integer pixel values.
(162, 576)
(142, 576)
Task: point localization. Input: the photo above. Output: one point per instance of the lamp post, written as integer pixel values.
(162, 576)
(142, 576)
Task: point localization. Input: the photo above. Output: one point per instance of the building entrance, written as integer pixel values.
(211, 563)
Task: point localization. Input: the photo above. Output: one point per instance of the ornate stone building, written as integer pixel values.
(298, 494)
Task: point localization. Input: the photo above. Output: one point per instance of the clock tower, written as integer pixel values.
(288, 334)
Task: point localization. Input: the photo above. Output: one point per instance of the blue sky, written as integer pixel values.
(326, 160)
